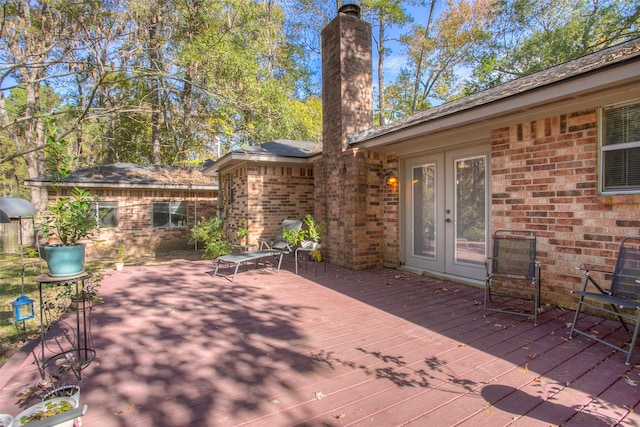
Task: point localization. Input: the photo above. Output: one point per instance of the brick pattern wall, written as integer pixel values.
(266, 195)
(544, 178)
(351, 194)
(135, 231)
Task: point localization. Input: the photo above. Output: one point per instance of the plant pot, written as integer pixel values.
(119, 266)
(6, 420)
(64, 261)
(308, 244)
(71, 390)
(36, 411)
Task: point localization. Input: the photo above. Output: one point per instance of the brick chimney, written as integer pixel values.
(341, 198)
(347, 81)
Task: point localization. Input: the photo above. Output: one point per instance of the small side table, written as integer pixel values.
(309, 250)
(82, 346)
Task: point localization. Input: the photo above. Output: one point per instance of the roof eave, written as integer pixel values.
(123, 185)
(576, 87)
(233, 159)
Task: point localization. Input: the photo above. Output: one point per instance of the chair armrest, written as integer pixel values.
(588, 269)
(263, 242)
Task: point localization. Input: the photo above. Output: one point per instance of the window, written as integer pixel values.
(169, 214)
(620, 149)
(106, 213)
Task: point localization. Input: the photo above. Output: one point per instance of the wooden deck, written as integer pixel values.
(176, 347)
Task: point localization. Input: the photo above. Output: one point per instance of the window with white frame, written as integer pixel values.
(620, 148)
(106, 214)
(169, 214)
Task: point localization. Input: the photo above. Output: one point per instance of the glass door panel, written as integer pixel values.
(423, 186)
(470, 210)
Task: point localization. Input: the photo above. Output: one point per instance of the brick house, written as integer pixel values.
(145, 209)
(557, 152)
(264, 185)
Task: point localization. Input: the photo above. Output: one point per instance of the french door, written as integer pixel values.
(446, 212)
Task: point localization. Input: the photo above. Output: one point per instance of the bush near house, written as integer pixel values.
(210, 232)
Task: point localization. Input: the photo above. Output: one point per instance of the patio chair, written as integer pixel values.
(621, 300)
(513, 263)
(278, 242)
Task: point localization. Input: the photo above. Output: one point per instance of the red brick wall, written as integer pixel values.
(544, 178)
(349, 193)
(135, 231)
(265, 195)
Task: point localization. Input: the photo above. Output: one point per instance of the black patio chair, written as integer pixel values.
(513, 266)
(621, 300)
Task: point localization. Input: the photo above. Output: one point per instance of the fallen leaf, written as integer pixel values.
(462, 345)
(568, 325)
(320, 395)
(340, 416)
(477, 303)
(631, 382)
(525, 369)
(536, 380)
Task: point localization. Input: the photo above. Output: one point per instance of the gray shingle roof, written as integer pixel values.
(284, 148)
(131, 174)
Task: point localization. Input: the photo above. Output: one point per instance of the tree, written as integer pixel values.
(437, 51)
(532, 35)
(149, 82)
(383, 14)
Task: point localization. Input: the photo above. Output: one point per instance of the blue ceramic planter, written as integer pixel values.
(65, 260)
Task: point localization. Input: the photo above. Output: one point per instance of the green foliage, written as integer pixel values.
(58, 158)
(71, 218)
(243, 231)
(210, 232)
(531, 35)
(314, 230)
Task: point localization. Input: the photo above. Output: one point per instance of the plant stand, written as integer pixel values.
(80, 344)
(309, 249)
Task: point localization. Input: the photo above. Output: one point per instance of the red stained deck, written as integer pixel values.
(176, 347)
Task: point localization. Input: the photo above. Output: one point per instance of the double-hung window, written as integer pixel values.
(169, 214)
(620, 149)
(106, 214)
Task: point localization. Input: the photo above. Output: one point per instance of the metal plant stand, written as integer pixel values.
(75, 345)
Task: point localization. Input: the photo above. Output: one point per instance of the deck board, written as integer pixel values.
(379, 347)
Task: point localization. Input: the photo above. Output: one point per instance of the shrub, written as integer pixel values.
(210, 232)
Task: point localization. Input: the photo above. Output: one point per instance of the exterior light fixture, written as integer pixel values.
(389, 177)
(23, 308)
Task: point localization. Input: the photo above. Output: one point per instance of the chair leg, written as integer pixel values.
(487, 297)
(634, 340)
(575, 317)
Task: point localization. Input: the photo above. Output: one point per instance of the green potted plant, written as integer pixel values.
(65, 222)
(312, 237)
(120, 263)
(243, 232)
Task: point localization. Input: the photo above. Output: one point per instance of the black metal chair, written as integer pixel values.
(513, 263)
(621, 300)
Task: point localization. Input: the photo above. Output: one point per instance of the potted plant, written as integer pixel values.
(120, 263)
(46, 409)
(312, 236)
(66, 222)
(243, 232)
(53, 397)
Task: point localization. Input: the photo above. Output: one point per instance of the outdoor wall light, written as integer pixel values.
(23, 308)
(388, 176)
